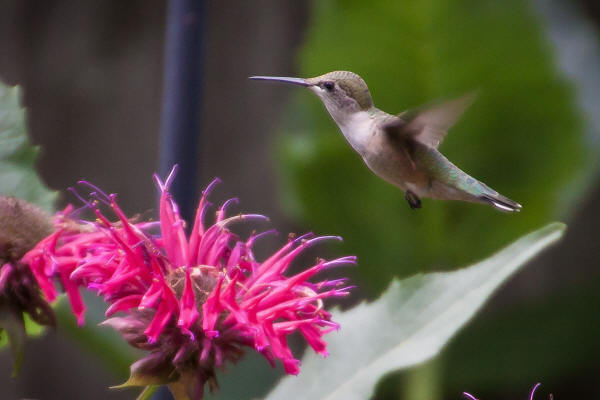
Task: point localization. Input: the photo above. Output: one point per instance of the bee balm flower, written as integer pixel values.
(194, 302)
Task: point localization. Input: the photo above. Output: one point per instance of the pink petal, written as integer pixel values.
(188, 312)
(74, 297)
(5, 273)
(161, 318)
(124, 303)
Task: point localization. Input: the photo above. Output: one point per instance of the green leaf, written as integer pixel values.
(407, 325)
(140, 379)
(523, 136)
(31, 327)
(17, 156)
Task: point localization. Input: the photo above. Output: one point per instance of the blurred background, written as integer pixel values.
(92, 74)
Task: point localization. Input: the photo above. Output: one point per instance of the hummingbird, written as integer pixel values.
(401, 149)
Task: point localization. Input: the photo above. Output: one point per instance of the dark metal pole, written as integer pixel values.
(182, 94)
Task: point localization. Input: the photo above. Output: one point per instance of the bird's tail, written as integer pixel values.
(502, 203)
(454, 184)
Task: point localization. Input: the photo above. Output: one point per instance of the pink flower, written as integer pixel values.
(193, 301)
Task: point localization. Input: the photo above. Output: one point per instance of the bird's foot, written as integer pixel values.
(413, 199)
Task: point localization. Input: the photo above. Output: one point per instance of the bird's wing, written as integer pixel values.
(429, 124)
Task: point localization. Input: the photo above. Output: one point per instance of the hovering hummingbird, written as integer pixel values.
(401, 149)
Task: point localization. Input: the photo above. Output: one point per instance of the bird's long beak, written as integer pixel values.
(293, 81)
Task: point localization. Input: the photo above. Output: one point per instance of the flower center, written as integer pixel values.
(204, 278)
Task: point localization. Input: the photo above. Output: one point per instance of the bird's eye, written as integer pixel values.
(328, 85)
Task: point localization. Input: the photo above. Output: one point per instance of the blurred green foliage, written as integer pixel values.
(17, 156)
(523, 136)
(552, 340)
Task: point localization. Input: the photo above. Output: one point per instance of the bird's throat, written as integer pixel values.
(357, 128)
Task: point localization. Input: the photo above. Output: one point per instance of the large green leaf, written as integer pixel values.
(407, 325)
(17, 157)
(523, 136)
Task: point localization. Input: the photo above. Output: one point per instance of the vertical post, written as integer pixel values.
(182, 95)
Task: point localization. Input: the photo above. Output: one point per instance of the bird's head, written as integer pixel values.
(342, 92)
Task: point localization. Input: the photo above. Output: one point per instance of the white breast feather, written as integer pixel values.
(357, 129)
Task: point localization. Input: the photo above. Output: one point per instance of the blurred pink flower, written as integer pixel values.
(193, 301)
(58, 254)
